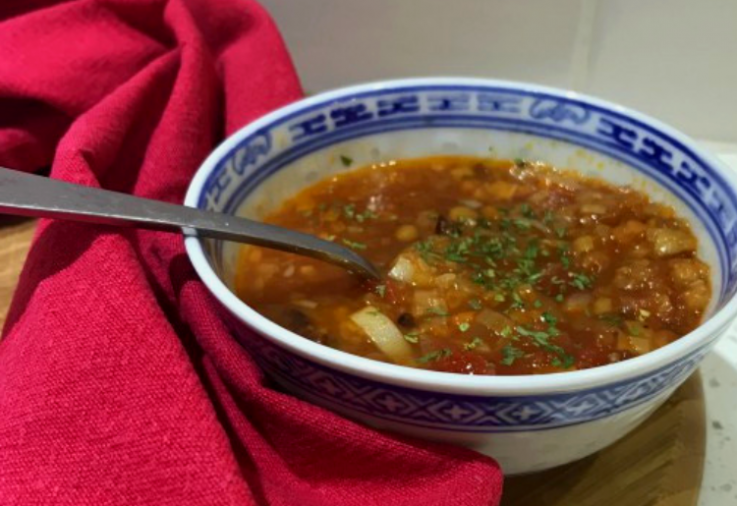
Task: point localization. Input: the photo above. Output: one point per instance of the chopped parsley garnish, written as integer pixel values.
(548, 218)
(510, 354)
(612, 319)
(550, 319)
(532, 250)
(473, 344)
(361, 217)
(564, 362)
(499, 297)
(381, 290)
(580, 281)
(537, 304)
(559, 297)
(463, 327)
(541, 339)
(349, 210)
(519, 162)
(565, 262)
(517, 302)
(506, 331)
(412, 337)
(436, 311)
(527, 211)
(560, 232)
(346, 160)
(434, 355)
(522, 223)
(354, 244)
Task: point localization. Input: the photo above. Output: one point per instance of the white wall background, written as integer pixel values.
(673, 59)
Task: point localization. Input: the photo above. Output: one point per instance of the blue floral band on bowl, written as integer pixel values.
(606, 131)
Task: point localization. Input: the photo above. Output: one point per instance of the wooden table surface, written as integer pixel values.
(15, 239)
(659, 464)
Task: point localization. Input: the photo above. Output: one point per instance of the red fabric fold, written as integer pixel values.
(119, 384)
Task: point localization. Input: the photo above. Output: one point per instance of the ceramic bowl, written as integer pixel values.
(528, 423)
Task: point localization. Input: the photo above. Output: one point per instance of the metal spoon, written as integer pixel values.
(29, 195)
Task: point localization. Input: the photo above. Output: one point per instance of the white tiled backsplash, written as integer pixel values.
(673, 59)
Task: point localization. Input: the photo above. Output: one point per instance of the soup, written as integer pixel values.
(491, 267)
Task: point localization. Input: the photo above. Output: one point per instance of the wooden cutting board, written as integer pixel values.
(659, 464)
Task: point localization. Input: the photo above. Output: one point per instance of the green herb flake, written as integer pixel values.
(463, 327)
(506, 331)
(475, 304)
(565, 361)
(517, 303)
(473, 344)
(346, 160)
(510, 354)
(549, 318)
(634, 329)
(611, 319)
(434, 356)
(354, 244)
(522, 223)
(559, 297)
(436, 311)
(330, 237)
(532, 250)
(560, 232)
(537, 304)
(381, 290)
(527, 211)
(349, 210)
(412, 337)
(519, 162)
(499, 297)
(581, 281)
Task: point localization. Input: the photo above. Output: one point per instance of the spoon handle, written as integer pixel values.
(30, 195)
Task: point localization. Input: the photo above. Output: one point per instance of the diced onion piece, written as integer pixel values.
(633, 344)
(428, 303)
(385, 335)
(577, 302)
(493, 321)
(306, 303)
(669, 242)
(473, 204)
(583, 244)
(593, 209)
(603, 305)
(403, 270)
(462, 213)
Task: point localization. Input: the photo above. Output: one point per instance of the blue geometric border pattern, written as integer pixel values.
(496, 108)
(462, 413)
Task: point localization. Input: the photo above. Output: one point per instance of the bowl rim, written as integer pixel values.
(422, 379)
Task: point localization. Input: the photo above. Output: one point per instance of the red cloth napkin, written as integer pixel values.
(118, 382)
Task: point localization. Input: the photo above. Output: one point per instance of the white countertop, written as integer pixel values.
(719, 374)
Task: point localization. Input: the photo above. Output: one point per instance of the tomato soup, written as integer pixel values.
(491, 267)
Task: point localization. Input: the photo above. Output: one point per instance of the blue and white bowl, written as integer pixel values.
(528, 423)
